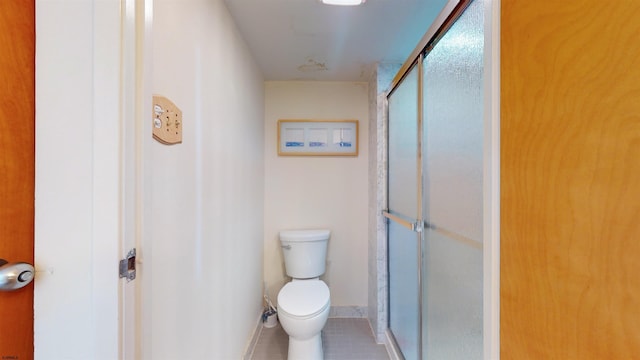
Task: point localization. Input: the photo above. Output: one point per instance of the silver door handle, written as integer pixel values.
(13, 276)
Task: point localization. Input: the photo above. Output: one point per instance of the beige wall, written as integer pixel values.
(318, 192)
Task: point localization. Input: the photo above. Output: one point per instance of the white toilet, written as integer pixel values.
(303, 303)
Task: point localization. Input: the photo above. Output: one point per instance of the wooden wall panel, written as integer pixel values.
(570, 179)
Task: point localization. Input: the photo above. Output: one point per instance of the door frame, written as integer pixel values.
(137, 20)
(491, 276)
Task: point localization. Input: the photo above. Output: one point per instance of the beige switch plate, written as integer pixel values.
(167, 121)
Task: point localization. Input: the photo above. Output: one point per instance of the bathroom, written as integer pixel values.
(212, 205)
(237, 193)
(205, 252)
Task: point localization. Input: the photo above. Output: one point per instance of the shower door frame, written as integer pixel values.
(491, 164)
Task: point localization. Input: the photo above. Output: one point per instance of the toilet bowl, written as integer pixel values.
(303, 303)
(303, 309)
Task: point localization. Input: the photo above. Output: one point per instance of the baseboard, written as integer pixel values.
(381, 340)
(254, 339)
(392, 349)
(348, 312)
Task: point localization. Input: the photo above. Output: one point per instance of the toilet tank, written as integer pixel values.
(305, 252)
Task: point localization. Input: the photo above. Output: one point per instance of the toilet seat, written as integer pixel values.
(304, 299)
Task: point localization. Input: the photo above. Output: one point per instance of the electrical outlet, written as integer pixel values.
(167, 121)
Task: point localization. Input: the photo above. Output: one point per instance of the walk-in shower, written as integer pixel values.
(435, 202)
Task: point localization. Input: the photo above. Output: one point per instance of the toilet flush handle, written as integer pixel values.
(286, 247)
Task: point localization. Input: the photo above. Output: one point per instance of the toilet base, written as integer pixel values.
(310, 349)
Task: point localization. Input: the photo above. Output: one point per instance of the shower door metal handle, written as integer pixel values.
(415, 225)
(14, 276)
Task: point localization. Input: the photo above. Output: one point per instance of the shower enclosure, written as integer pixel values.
(435, 206)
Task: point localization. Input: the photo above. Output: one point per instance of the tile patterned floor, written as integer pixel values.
(343, 339)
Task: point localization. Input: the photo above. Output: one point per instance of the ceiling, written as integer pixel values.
(306, 40)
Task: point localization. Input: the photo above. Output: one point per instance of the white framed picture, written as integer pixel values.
(318, 137)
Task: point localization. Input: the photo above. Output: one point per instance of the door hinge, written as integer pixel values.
(128, 266)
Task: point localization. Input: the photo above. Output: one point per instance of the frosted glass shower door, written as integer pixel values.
(403, 200)
(453, 191)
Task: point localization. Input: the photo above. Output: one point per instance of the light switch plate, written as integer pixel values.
(167, 121)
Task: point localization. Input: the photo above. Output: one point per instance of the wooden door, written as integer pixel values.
(570, 179)
(17, 121)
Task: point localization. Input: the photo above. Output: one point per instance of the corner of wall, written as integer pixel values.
(377, 259)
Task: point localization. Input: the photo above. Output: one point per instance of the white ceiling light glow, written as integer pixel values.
(343, 2)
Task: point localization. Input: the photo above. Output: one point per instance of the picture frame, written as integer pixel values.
(317, 137)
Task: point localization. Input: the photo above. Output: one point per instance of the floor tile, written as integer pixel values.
(342, 338)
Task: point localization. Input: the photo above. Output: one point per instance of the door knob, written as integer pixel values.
(13, 276)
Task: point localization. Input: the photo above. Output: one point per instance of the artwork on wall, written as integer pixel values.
(318, 137)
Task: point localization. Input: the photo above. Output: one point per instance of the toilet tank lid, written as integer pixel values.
(304, 235)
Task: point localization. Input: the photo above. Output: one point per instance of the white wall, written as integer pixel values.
(77, 178)
(207, 195)
(318, 192)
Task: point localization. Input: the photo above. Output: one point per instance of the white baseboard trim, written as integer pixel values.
(348, 312)
(373, 333)
(254, 339)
